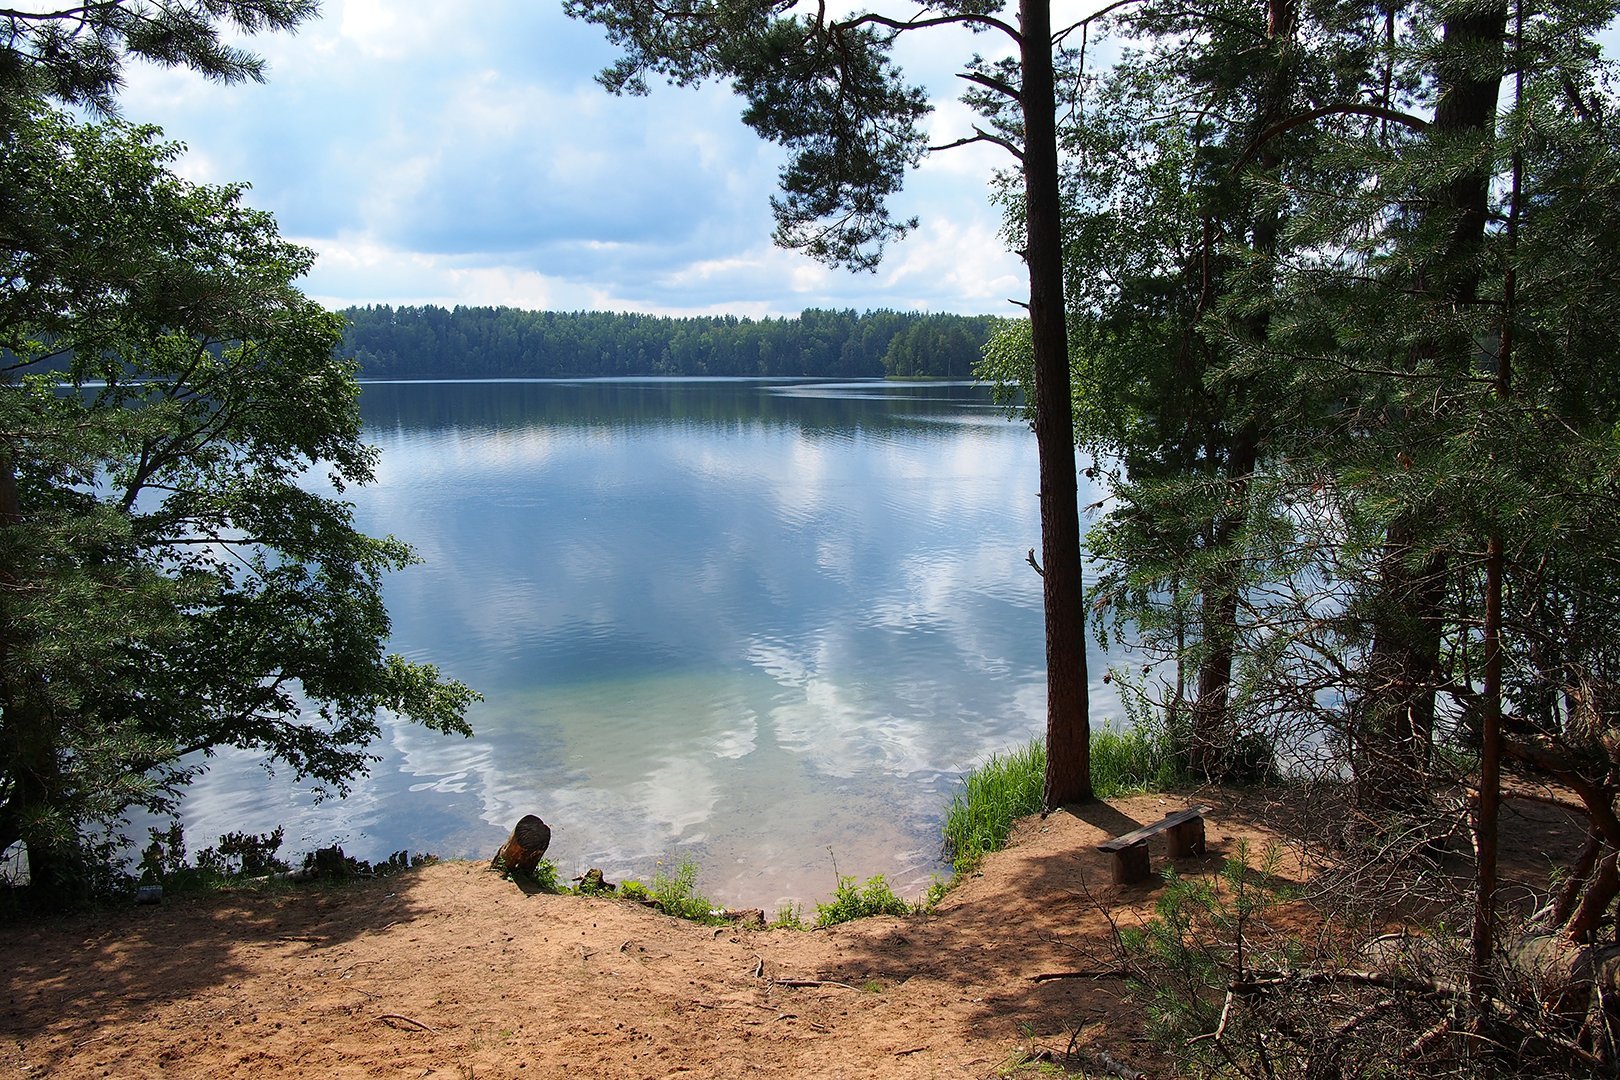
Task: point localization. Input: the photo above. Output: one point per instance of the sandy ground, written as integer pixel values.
(452, 971)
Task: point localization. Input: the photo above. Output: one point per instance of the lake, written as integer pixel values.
(764, 625)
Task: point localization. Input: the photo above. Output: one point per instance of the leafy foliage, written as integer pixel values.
(677, 894)
(177, 581)
(75, 52)
(852, 900)
(789, 917)
(1342, 299)
(545, 877)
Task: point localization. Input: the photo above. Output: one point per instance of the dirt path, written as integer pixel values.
(450, 971)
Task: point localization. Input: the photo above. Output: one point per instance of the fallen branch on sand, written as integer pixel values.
(813, 982)
(393, 1020)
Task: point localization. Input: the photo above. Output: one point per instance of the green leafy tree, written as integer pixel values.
(1173, 200)
(75, 52)
(825, 88)
(173, 579)
(469, 342)
(1398, 274)
(1465, 415)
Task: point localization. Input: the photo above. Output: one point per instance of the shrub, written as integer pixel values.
(545, 876)
(676, 894)
(937, 888)
(852, 901)
(243, 855)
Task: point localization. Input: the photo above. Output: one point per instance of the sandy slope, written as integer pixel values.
(451, 971)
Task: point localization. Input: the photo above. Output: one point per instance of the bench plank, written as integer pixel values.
(1147, 832)
(1130, 851)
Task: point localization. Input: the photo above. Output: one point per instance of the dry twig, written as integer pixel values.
(393, 1020)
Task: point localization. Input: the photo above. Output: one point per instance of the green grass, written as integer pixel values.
(993, 796)
(1129, 761)
(1012, 785)
(851, 901)
(675, 894)
(789, 917)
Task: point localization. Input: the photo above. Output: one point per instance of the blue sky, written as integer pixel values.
(452, 153)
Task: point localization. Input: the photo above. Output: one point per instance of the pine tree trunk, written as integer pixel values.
(1068, 728)
(1396, 734)
(1212, 734)
(1404, 665)
(1490, 752)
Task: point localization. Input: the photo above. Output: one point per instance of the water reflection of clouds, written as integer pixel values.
(845, 724)
(688, 627)
(413, 457)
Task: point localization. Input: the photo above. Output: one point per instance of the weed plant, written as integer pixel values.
(545, 877)
(789, 917)
(676, 894)
(852, 901)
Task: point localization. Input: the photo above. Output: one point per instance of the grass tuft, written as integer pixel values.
(851, 901)
(1131, 761)
(789, 917)
(677, 895)
(1005, 788)
(1011, 785)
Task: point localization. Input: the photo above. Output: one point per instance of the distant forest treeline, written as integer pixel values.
(489, 342)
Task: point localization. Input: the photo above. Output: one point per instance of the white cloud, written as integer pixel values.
(430, 156)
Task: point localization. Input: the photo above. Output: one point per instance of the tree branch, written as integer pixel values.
(1377, 112)
(990, 83)
(901, 26)
(1057, 38)
(980, 135)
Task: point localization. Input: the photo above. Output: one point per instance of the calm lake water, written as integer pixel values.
(762, 625)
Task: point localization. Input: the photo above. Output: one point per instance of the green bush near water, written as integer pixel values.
(1012, 785)
(675, 894)
(852, 901)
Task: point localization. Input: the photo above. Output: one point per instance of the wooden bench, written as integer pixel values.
(1130, 852)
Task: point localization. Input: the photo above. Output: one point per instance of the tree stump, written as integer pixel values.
(526, 846)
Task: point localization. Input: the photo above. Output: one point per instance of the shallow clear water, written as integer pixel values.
(762, 625)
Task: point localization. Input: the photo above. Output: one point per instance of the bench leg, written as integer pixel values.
(1131, 864)
(1187, 838)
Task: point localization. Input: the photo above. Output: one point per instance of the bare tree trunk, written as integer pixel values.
(1068, 724)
